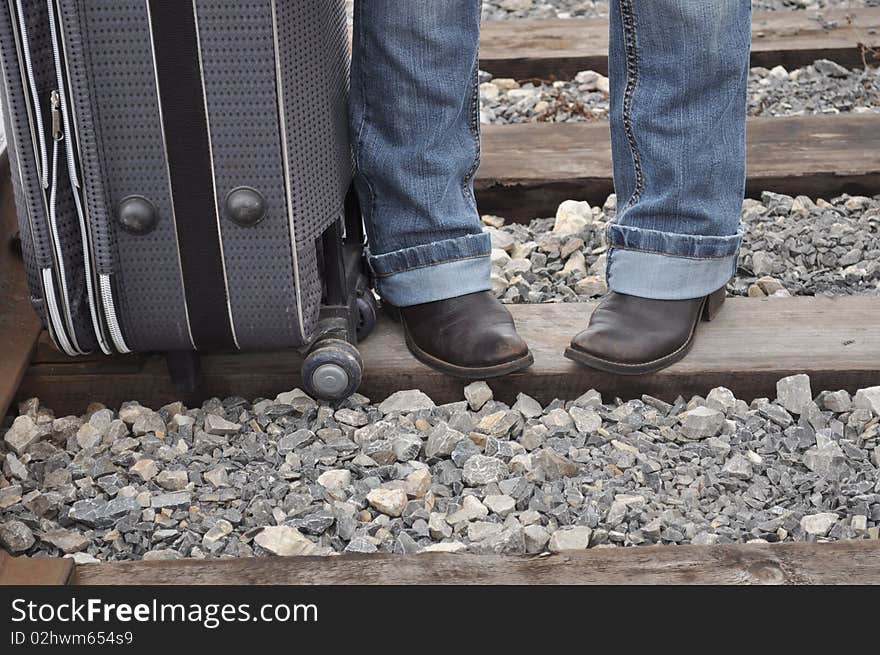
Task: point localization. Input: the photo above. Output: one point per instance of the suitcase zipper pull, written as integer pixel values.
(57, 129)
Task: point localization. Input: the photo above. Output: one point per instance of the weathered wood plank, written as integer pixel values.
(559, 49)
(838, 563)
(528, 169)
(747, 348)
(19, 326)
(25, 571)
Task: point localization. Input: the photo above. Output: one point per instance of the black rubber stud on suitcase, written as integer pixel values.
(332, 370)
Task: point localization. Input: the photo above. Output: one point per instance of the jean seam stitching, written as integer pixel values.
(632, 79)
(450, 260)
(475, 134)
(359, 139)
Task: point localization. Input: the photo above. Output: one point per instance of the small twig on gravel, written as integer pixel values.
(867, 52)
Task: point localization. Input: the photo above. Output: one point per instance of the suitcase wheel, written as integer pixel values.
(332, 370)
(368, 310)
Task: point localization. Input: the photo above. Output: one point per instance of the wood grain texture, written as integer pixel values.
(747, 348)
(19, 325)
(25, 571)
(529, 169)
(838, 563)
(560, 48)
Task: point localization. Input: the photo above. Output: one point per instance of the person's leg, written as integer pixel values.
(416, 135)
(679, 75)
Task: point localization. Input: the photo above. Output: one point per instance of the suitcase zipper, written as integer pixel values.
(59, 331)
(62, 126)
(57, 138)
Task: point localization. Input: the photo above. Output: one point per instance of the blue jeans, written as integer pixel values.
(679, 71)
(679, 79)
(415, 123)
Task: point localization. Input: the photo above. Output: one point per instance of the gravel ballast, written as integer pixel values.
(824, 87)
(512, 9)
(292, 477)
(791, 246)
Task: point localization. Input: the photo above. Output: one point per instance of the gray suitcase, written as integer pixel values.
(181, 170)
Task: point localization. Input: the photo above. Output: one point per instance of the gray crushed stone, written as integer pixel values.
(513, 9)
(824, 87)
(301, 477)
(791, 247)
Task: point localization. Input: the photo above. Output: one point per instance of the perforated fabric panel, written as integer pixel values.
(67, 220)
(147, 280)
(79, 97)
(23, 158)
(313, 40)
(238, 57)
(11, 80)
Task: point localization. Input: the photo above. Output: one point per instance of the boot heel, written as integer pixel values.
(714, 303)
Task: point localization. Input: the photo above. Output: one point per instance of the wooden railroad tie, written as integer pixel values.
(560, 48)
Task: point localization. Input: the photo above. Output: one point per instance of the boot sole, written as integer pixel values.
(711, 306)
(466, 372)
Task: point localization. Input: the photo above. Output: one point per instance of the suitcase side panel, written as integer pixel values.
(91, 166)
(238, 65)
(27, 242)
(128, 131)
(22, 151)
(314, 68)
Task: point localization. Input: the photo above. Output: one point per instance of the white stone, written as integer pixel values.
(15, 467)
(572, 217)
(172, 480)
(471, 509)
(438, 527)
(147, 469)
(480, 470)
(574, 538)
(88, 436)
(335, 480)
(220, 531)
(284, 541)
(536, 538)
(702, 422)
(576, 263)
(836, 401)
(482, 530)
(499, 258)
(868, 399)
(818, 525)
(721, 398)
(587, 421)
(388, 501)
(406, 401)
(23, 433)
(418, 483)
(477, 395)
(500, 504)
(592, 285)
(794, 393)
(219, 426)
(217, 477)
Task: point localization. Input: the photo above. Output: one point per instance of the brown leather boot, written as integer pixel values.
(472, 336)
(628, 335)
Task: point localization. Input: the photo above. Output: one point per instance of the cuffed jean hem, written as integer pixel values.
(676, 245)
(664, 277)
(435, 271)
